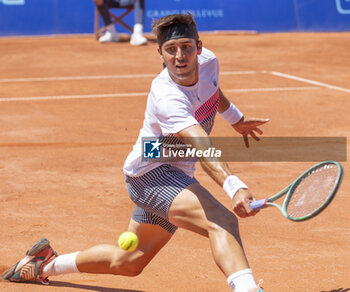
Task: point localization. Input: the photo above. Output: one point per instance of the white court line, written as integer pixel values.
(238, 72)
(65, 78)
(84, 96)
(288, 76)
(96, 77)
(96, 96)
(272, 89)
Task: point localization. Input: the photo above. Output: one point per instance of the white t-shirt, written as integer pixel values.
(172, 108)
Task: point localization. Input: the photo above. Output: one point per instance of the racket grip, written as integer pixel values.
(259, 204)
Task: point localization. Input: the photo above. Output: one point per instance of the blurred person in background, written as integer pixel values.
(111, 34)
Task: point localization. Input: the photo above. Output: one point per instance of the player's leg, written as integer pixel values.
(195, 209)
(180, 201)
(110, 259)
(41, 261)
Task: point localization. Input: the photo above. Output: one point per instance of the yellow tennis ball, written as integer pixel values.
(128, 241)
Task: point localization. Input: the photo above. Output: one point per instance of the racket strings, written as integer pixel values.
(312, 191)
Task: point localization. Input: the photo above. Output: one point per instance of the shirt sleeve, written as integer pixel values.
(174, 113)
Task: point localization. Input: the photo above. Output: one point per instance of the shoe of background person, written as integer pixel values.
(138, 39)
(31, 266)
(110, 35)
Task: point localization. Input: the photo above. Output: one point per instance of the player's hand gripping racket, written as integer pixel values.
(309, 194)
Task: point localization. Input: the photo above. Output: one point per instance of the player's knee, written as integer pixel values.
(127, 270)
(125, 267)
(226, 222)
(134, 271)
(130, 271)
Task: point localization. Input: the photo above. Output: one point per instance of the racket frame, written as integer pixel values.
(326, 201)
(288, 191)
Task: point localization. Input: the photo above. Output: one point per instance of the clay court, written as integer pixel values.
(71, 109)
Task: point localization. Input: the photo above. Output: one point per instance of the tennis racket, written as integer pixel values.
(309, 194)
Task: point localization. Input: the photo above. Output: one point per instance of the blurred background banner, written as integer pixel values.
(45, 17)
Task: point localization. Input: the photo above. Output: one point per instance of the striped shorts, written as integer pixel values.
(153, 193)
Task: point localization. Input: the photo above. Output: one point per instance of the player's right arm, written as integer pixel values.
(219, 171)
(174, 116)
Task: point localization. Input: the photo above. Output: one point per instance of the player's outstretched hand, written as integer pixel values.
(240, 203)
(249, 126)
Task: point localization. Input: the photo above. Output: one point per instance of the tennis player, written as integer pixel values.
(181, 107)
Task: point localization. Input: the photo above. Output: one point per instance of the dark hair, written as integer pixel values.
(175, 26)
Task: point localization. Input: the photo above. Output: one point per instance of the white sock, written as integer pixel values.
(63, 264)
(242, 281)
(138, 28)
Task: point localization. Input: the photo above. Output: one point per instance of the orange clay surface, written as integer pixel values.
(61, 157)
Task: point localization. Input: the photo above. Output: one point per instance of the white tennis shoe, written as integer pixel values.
(110, 35)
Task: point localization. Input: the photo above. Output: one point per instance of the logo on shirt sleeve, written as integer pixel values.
(151, 149)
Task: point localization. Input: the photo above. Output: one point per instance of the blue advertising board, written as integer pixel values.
(260, 15)
(39, 17)
(44, 17)
(324, 15)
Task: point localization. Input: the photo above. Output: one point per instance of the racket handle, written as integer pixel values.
(259, 204)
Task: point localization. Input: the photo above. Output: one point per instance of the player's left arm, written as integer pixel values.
(245, 126)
